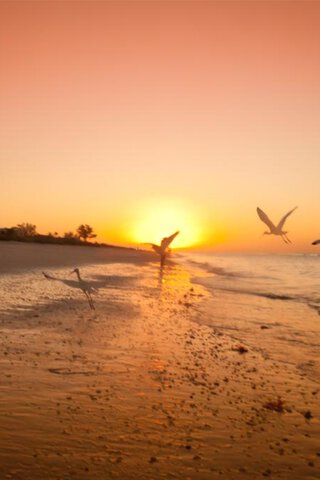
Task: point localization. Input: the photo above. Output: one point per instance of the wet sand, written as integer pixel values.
(139, 389)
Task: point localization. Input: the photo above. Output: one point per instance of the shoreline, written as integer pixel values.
(138, 389)
(281, 323)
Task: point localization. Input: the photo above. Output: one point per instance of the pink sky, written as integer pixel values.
(107, 106)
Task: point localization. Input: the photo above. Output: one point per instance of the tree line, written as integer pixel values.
(27, 232)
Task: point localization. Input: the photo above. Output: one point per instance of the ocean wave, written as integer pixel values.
(245, 291)
(223, 272)
(217, 270)
(284, 278)
(312, 303)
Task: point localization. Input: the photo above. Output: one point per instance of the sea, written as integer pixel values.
(269, 302)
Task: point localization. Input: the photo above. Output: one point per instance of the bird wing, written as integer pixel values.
(152, 245)
(316, 242)
(264, 217)
(283, 219)
(165, 242)
(88, 287)
(73, 283)
(156, 248)
(48, 277)
(69, 283)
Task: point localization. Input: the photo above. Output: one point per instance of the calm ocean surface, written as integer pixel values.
(269, 301)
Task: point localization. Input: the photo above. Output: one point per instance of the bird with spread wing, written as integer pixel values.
(86, 287)
(316, 242)
(163, 248)
(273, 229)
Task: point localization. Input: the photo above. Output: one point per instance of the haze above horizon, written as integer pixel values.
(142, 118)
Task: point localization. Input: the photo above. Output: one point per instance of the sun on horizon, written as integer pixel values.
(158, 219)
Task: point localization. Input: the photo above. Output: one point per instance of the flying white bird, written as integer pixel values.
(316, 242)
(86, 287)
(162, 249)
(275, 230)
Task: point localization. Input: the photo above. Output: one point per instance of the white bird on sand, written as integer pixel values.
(162, 249)
(275, 230)
(316, 242)
(80, 283)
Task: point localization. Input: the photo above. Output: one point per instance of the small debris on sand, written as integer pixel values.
(241, 349)
(308, 415)
(275, 405)
(267, 473)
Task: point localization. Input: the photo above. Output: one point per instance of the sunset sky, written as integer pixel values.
(141, 118)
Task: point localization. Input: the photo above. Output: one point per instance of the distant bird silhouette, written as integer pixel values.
(86, 287)
(162, 249)
(275, 230)
(316, 242)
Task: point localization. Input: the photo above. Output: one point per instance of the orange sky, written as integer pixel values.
(113, 112)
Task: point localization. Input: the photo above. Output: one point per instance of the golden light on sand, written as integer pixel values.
(158, 219)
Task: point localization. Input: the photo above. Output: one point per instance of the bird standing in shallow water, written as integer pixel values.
(275, 230)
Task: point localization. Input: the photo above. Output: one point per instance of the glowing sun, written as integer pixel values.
(162, 219)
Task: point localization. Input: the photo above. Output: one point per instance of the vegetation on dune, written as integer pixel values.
(85, 232)
(27, 232)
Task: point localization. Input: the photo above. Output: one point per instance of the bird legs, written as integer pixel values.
(90, 301)
(285, 238)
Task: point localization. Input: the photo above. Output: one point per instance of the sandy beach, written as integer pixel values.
(19, 257)
(139, 388)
